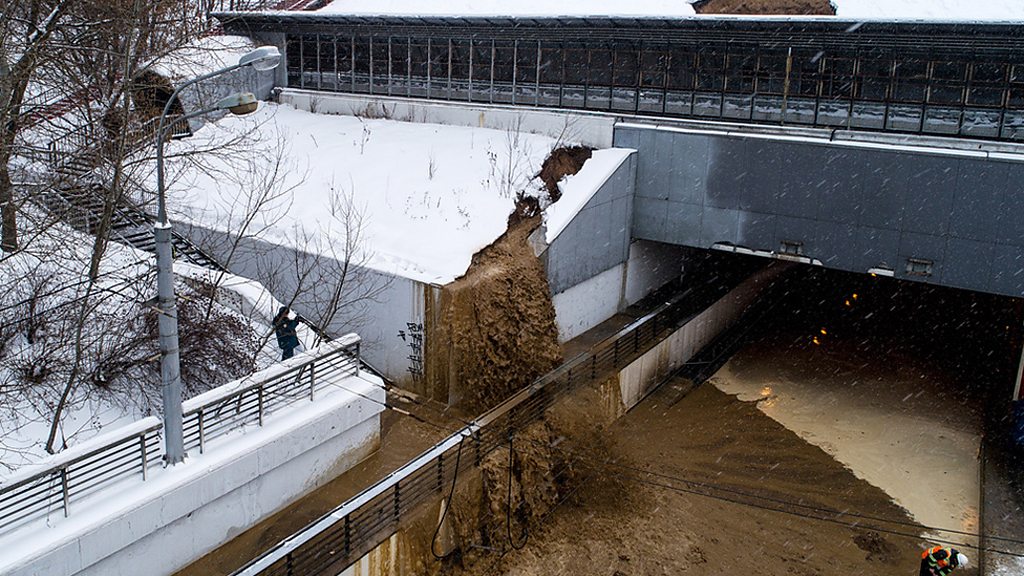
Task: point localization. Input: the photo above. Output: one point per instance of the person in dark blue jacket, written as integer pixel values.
(284, 328)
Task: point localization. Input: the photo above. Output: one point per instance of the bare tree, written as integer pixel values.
(327, 272)
(26, 30)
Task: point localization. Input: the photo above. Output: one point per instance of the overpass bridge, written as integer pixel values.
(958, 79)
(890, 148)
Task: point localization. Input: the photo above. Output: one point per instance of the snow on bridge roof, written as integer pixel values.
(519, 8)
(931, 10)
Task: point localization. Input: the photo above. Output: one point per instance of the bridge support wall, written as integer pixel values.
(637, 379)
(952, 218)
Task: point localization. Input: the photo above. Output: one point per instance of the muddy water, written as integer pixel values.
(497, 332)
(895, 420)
(638, 515)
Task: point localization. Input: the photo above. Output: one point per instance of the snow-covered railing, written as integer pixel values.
(246, 402)
(55, 485)
(78, 472)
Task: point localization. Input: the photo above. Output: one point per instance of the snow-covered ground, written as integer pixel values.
(430, 196)
(989, 10)
(54, 264)
(520, 9)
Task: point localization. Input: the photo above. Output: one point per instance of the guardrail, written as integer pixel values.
(345, 534)
(132, 451)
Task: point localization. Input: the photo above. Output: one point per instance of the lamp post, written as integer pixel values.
(264, 58)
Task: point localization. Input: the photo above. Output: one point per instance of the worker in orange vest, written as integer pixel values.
(939, 561)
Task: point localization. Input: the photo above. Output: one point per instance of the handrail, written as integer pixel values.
(343, 535)
(54, 485)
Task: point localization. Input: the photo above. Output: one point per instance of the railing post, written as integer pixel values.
(145, 456)
(202, 429)
(312, 381)
(440, 471)
(593, 367)
(397, 504)
(259, 396)
(348, 538)
(357, 359)
(66, 497)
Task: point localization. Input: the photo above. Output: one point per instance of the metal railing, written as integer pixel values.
(219, 411)
(132, 451)
(345, 534)
(75, 474)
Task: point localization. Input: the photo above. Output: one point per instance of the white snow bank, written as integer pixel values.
(202, 56)
(965, 10)
(430, 196)
(518, 9)
(578, 189)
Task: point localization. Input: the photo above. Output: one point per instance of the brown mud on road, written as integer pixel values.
(622, 523)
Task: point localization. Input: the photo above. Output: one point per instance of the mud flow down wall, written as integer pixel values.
(495, 329)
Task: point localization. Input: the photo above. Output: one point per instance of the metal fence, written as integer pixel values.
(135, 450)
(341, 537)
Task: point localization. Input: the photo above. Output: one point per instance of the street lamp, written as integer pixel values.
(263, 58)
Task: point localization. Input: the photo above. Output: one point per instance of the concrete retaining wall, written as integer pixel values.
(588, 303)
(156, 527)
(653, 367)
(392, 323)
(590, 129)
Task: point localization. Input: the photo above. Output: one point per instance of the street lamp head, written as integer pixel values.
(238, 104)
(262, 58)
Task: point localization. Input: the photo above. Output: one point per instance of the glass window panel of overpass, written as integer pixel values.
(550, 63)
(682, 67)
(838, 77)
(653, 62)
(711, 69)
(988, 84)
(741, 70)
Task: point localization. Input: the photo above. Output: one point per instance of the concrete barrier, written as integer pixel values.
(595, 130)
(180, 514)
(640, 376)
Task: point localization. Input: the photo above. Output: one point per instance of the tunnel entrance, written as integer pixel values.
(893, 379)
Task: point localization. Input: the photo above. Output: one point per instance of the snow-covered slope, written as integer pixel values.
(430, 196)
(520, 8)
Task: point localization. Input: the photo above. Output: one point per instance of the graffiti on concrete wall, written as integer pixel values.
(413, 338)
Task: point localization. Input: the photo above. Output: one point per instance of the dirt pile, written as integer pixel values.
(562, 162)
(546, 465)
(765, 7)
(497, 329)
